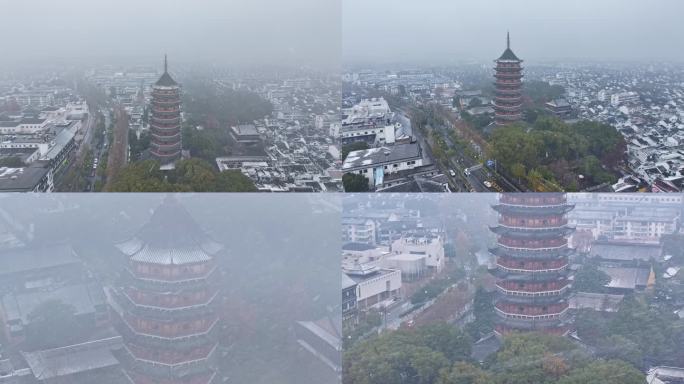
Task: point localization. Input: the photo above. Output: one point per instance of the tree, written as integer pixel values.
(447, 339)
(483, 311)
(234, 181)
(590, 279)
(591, 325)
(52, 323)
(553, 150)
(535, 358)
(405, 356)
(541, 91)
(354, 182)
(192, 175)
(652, 330)
(604, 372)
(464, 373)
(518, 171)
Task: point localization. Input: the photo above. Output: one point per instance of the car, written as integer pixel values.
(452, 173)
(466, 172)
(487, 183)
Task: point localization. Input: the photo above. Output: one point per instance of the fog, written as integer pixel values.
(445, 31)
(226, 32)
(279, 265)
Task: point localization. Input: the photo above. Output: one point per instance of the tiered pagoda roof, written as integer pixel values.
(532, 262)
(508, 84)
(166, 305)
(165, 120)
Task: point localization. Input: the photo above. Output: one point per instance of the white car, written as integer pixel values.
(487, 183)
(452, 173)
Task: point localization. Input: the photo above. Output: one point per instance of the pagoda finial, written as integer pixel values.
(166, 65)
(508, 39)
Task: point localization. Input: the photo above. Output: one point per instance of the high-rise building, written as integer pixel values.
(508, 83)
(165, 119)
(532, 262)
(165, 306)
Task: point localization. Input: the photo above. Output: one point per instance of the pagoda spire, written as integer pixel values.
(508, 39)
(166, 65)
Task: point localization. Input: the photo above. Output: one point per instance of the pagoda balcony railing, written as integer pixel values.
(164, 126)
(513, 91)
(166, 102)
(184, 277)
(515, 100)
(167, 136)
(162, 119)
(165, 110)
(556, 313)
(508, 75)
(167, 155)
(515, 85)
(528, 270)
(171, 361)
(498, 101)
(506, 103)
(520, 292)
(166, 139)
(508, 81)
(537, 200)
(543, 222)
(166, 146)
(532, 209)
(163, 98)
(507, 114)
(508, 64)
(182, 305)
(532, 243)
(516, 92)
(533, 249)
(166, 116)
(530, 254)
(511, 108)
(533, 287)
(532, 232)
(165, 92)
(170, 335)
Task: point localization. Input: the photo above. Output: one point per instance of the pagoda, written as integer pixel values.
(165, 304)
(532, 262)
(165, 119)
(508, 84)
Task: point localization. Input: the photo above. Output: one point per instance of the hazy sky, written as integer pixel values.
(442, 31)
(242, 32)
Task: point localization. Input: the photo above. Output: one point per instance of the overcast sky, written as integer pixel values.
(242, 32)
(443, 31)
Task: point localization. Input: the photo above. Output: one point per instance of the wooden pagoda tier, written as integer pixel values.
(165, 119)
(166, 302)
(508, 85)
(532, 262)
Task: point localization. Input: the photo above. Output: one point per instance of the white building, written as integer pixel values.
(623, 98)
(358, 231)
(411, 265)
(375, 163)
(431, 247)
(646, 225)
(23, 126)
(374, 285)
